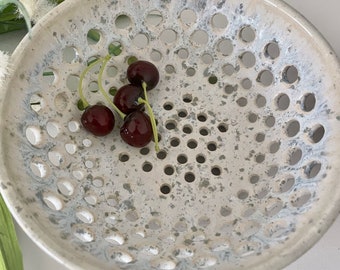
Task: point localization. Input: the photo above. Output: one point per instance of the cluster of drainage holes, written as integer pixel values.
(182, 113)
(170, 170)
(200, 37)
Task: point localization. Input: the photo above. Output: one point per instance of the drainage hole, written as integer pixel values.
(190, 72)
(229, 89)
(254, 179)
(266, 78)
(165, 189)
(290, 74)
(169, 170)
(242, 102)
(247, 34)
(170, 125)
(222, 128)
(312, 169)
(242, 194)
(192, 144)
(260, 101)
(204, 131)
(187, 98)
(212, 79)
(216, 170)
(168, 106)
(282, 102)
(270, 121)
(274, 147)
(147, 167)
(144, 151)
(246, 83)
(187, 129)
(259, 158)
(272, 50)
(260, 137)
(295, 156)
(174, 142)
(293, 128)
(252, 117)
(182, 113)
(200, 158)
(189, 177)
(124, 157)
(161, 154)
(202, 117)
(308, 102)
(212, 146)
(182, 159)
(317, 133)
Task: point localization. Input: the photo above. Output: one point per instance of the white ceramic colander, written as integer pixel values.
(248, 114)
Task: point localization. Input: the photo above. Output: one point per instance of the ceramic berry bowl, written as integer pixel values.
(245, 112)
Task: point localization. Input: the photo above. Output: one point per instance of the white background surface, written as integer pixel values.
(325, 255)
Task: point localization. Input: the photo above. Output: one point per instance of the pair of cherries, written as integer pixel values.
(130, 100)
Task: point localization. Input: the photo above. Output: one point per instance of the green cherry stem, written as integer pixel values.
(144, 86)
(81, 79)
(101, 88)
(153, 122)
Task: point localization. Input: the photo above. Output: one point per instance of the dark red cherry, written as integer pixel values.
(126, 98)
(137, 129)
(143, 71)
(98, 119)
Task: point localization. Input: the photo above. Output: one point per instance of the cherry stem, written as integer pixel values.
(144, 86)
(101, 88)
(153, 122)
(81, 79)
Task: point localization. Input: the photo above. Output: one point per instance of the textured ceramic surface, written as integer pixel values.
(248, 114)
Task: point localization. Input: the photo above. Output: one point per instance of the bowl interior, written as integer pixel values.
(248, 118)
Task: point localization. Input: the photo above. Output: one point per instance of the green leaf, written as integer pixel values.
(81, 107)
(9, 20)
(56, 1)
(14, 25)
(10, 253)
(5, 16)
(48, 73)
(8, 12)
(113, 90)
(94, 35)
(115, 49)
(131, 60)
(9, 15)
(92, 60)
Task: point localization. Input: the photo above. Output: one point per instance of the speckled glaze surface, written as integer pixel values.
(248, 111)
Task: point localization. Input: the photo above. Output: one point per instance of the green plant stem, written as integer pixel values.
(144, 86)
(101, 88)
(81, 79)
(153, 122)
